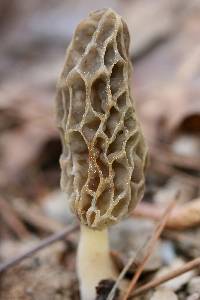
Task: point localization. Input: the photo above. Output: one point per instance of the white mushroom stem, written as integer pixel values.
(93, 262)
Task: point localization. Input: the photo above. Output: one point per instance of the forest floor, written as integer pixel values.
(165, 52)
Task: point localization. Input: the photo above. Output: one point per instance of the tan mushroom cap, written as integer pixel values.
(104, 153)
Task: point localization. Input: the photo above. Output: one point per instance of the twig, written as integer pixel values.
(150, 247)
(184, 216)
(44, 243)
(11, 219)
(33, 216)
(166, 155)
(157, 281)
(148, 211)
(167, 169)
(181, 238)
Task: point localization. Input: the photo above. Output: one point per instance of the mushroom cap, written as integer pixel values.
(104, 152)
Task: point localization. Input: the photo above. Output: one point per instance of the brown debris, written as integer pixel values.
(183, 216)
(34, 217)
(104, 288)
(12, 219)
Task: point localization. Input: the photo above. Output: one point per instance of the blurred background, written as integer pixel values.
(165, 51)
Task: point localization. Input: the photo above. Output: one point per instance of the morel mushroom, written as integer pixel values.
(104, 153)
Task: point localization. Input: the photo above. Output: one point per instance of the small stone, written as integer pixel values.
(194, 296)
(194, 286)
(164, 294)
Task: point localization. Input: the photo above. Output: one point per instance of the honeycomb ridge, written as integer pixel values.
(104, 153)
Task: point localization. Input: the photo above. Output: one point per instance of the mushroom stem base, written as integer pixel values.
(93, 261)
